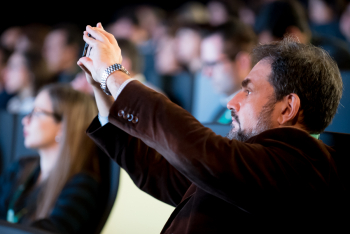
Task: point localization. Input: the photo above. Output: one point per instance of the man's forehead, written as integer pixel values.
(259, 74)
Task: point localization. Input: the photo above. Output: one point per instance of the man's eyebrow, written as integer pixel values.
(245, 83)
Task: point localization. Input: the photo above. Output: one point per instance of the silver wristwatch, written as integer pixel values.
(107, 72)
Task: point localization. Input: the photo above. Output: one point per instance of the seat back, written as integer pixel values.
(13, 228)
(341, 119)
(219, 129)
(19, 149)
(6, 139)
(336, 140)
(179, 89)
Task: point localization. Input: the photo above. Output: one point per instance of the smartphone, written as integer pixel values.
(86, 47)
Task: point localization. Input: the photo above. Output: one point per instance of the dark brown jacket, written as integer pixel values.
(278, 181)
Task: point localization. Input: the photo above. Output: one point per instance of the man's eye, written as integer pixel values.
(247, 91)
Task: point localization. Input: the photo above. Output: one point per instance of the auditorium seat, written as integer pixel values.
(341, 120)
(19, 149)
(6, 139)
(11, 228)
(219, 129)
(179, 89)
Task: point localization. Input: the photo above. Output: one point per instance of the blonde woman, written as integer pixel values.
(58, 189)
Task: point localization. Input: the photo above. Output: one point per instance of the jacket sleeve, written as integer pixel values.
(147, 168)
(228, 169)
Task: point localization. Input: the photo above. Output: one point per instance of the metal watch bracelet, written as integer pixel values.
(107, 73)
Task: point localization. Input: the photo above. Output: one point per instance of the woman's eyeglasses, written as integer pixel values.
(37, 113)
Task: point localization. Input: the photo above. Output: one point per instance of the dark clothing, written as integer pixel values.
(331, 29)
(72, 210)
(278, 181)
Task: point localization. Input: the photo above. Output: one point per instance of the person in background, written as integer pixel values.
(324, 17)
(56, 190)
(62, 47)
(178, 53)
(126, 25)
(31, 38)
(177, 62)
(4, 96)
(345, 23)
(280, 18)
(10, 37)
(24, 75)
(225, 54)
(151, 19)
(134, 63)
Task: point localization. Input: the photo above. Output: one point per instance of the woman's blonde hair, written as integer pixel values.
(77, 152)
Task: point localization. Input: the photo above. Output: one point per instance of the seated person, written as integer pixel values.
(279, 18)
(271, 173)
(25, 74)
(56, 190)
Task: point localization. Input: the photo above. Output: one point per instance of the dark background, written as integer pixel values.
(20, 13)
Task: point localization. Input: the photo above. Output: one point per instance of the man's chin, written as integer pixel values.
(238, 134)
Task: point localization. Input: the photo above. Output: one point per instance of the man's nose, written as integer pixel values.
(235, 102)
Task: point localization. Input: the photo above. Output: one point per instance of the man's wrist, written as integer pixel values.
(115, 80)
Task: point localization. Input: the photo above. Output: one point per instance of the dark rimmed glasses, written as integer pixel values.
(34, 112)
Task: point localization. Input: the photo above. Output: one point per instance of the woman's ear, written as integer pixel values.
(289, 107)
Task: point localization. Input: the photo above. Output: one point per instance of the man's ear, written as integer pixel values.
(243, 63)
(289, 110)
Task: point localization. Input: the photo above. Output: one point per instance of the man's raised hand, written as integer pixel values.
(104, 53)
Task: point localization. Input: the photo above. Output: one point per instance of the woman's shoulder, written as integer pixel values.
(28, 160)
(80, 184)
(19, 165)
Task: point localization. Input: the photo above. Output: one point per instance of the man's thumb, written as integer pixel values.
(87, 63)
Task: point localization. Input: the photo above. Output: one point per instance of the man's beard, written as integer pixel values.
(264, 123)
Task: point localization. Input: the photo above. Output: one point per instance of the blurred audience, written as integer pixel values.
(187, 44)
(24, 75)
(56, 190)
(279, 18)
(62, 48)
(133, 62)
(345, 23)
(225, 54)
(10, 37)
(192, 13)
(324, 17)
(4, 96)
(31, 38)
(126, 25)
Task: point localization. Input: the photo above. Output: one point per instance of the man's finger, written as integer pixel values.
(99, 25)
(108, 35)
(92, 42)
(96, 33)
(85, 64)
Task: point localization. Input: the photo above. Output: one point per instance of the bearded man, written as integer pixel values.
(272, 175)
